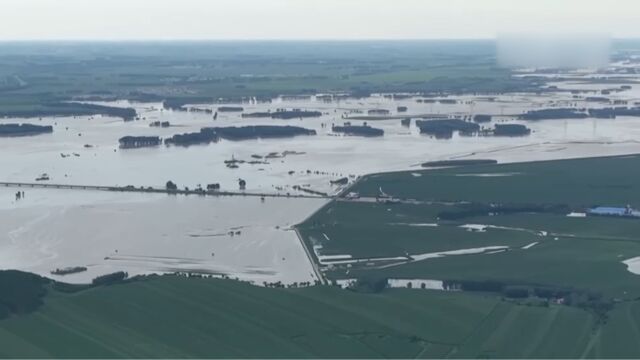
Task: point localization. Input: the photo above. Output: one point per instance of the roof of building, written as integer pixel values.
(606, 210)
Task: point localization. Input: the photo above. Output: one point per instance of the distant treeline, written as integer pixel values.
(24, 129)
(178, 103)
(72, 109)
(230, 108)
(259, 132)
(283, 114)
(213, 134)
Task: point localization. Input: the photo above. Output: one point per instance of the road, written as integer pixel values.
(142, 189)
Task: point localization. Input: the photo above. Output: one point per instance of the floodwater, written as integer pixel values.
(143, 233)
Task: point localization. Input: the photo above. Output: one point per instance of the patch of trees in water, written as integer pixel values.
(511, 130)
(560, 113)
(204, 136)
(230, 109)
(612, 112)
(459, 162)
(69, 270)
(160, 124)
(24, 129)
(378, 112)
(283, 114)
(198, 110)
(213, 134)
(444, 128)
(259, 132)
(358, 130)
(481, 118)
(132, 142)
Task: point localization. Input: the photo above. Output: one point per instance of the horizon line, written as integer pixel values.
(160, 40)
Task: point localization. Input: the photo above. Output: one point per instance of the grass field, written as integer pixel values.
(178, 317)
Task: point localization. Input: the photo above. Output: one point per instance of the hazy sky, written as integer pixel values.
(311, 19)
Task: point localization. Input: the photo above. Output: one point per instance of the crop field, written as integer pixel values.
(586, 259)
(172, 316)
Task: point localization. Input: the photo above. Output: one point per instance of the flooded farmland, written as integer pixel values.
(247, 238)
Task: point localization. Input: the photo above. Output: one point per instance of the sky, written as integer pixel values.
(311, 19)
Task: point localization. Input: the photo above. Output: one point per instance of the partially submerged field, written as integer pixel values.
(523, 279)
(497, 228)
(512, 205)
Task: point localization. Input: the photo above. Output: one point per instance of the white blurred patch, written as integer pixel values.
(553, 50)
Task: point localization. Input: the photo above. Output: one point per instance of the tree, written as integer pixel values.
(171, 186)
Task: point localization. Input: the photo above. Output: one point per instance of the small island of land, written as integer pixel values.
(444, 128)
(358, 130)
(132, 142)
(24, 129)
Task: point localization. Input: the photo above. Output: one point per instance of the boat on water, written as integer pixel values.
(43, 177)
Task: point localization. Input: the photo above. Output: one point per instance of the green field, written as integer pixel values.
(580, 182)
(172, 316)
